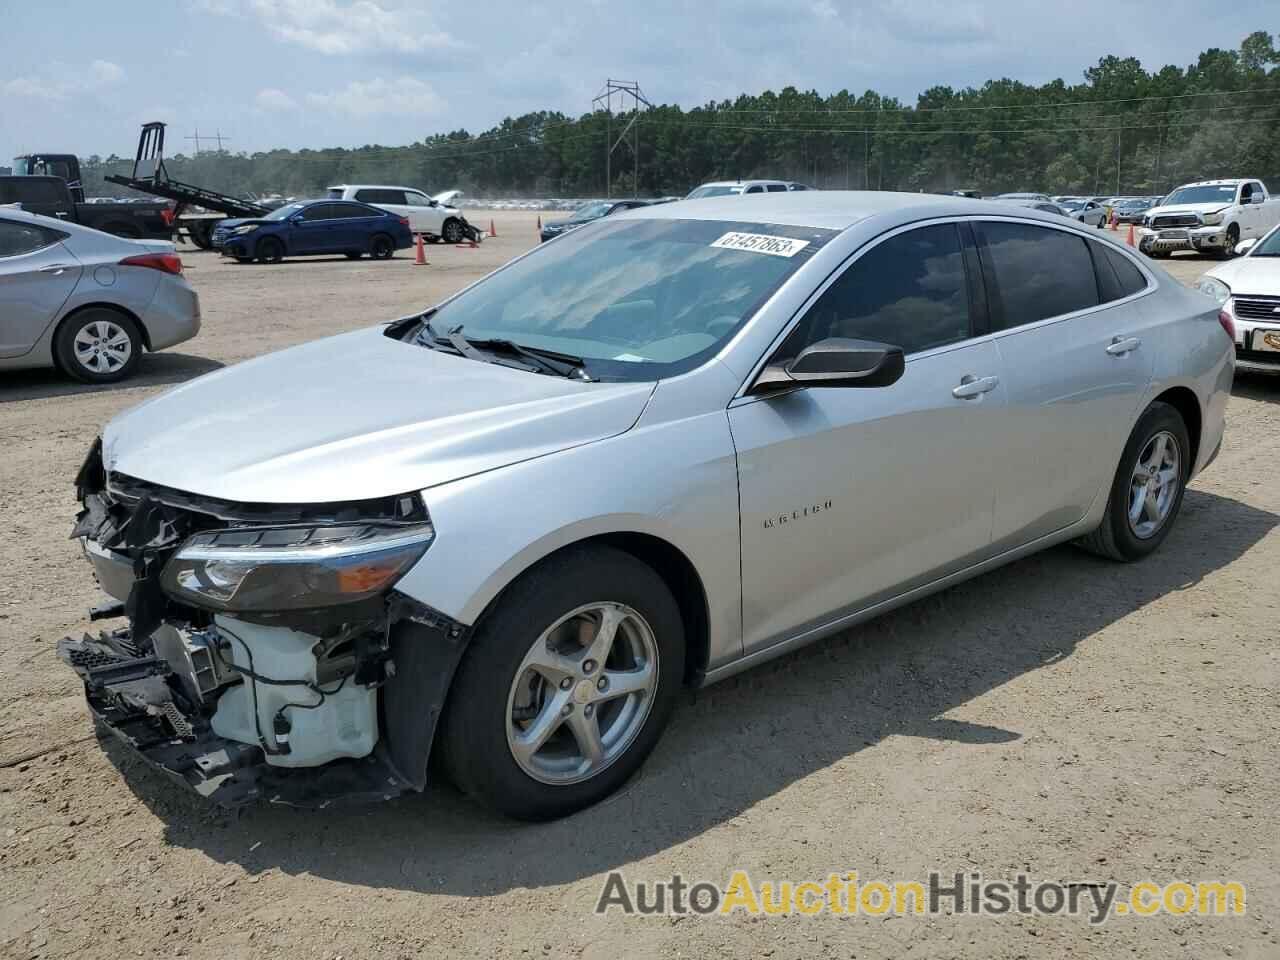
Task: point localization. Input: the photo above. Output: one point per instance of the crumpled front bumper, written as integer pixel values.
(137, 698)
(1182, 238)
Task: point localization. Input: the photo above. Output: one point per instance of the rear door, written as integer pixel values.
(37, 274)
(1076, 357)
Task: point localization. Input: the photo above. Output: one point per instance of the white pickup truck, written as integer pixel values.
(1211, 216)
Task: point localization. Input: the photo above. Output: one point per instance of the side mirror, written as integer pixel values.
(835, 362)
(1244, 246)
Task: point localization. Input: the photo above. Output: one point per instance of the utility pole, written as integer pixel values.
(1117, 163)
(219, 137)
(196, 138)
(622, 89)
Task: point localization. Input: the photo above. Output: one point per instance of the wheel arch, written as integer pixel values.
(1184, 400)
(100, 305)
(666, 560)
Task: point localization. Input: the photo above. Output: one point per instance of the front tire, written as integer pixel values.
(1233, 237)
(1146, 493)
(566, 686)
(270, 250)
(451, 231)
(98, 345)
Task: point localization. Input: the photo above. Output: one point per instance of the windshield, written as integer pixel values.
(282, 213)
(21, 167)
(590, 211)
(702, 192)
(635, 299)
(1269, 246)
(1218, 193)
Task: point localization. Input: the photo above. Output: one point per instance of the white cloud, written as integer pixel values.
(334, 27)
(272, 98)
(61, 81)
(405, 96)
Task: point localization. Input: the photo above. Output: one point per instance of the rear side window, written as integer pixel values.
(777, 188)
(1038, 272)
(381, 196)
(19, 238)
(319, 211)
(39, 191)
(1117, 276)
(346, 211)
(755, 189)
(909, 291)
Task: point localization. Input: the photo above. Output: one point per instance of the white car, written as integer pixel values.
(1248, 291)
(725, 188)
(430, 216)
(1210, 216)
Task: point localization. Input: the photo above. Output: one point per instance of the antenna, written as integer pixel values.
(622, 89)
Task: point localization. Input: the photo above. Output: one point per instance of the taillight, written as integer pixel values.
(167, 216)
(1228, 324)
(404, 221)
(167, 262)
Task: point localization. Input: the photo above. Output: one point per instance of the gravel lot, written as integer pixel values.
(1064, 716)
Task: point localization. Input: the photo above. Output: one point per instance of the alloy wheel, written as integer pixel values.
(582, 693)
(1153, 487)
(102, 346)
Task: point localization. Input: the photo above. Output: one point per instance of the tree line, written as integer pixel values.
(1122, 130)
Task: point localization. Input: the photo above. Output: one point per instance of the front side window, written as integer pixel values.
(777, 188)
(909, 291)
(287, 211)
(414, 199)
(1038, 272)
(320, 211)
(19, 238)
(636, 299)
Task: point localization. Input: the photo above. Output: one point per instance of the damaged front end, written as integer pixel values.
(267, 653)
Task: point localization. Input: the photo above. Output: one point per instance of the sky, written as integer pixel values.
(80, 75)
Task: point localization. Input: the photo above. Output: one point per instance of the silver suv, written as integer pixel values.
(665, 448)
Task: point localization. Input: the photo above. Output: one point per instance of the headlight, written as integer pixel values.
(247, 228)
(293, 568)
(1211, 219)
(1214, 288)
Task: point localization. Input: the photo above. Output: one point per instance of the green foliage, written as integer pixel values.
(1121, 130)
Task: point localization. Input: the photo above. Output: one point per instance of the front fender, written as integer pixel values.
(674, 480)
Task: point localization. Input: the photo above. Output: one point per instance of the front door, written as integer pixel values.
(853, 495)
(37, 274)
(315, 230)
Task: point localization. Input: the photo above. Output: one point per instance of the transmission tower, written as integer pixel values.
(630, 97)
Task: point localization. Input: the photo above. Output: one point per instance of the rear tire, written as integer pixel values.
(381, 247)
(1122, 535)
(553, 615)
(270, 250)
(98, 345)
(200, 233)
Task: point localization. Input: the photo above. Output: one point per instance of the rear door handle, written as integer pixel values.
(972, 387)
(1119, 346)
(56, 268)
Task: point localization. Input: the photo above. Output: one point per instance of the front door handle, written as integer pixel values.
(972, 387)
(1119, 346)
(56, 268)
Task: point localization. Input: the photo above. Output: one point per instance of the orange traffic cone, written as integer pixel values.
(492, 231)
(1129, 239)
(420, 257)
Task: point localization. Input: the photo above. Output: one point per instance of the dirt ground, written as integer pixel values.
(1064, 716)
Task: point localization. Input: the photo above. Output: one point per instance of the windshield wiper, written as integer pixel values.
(561, 364)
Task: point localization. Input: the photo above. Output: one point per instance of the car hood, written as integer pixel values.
(1250, 275)
(1187, 208)
(447, 197)
(356, 416)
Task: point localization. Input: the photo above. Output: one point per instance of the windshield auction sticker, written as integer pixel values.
(761, 243)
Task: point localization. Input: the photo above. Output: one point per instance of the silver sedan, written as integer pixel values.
(87, 302)
(662, 449)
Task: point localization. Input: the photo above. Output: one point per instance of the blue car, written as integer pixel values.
(314, 227)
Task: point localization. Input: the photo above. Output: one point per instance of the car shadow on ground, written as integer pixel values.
(734, 745)
(154, 369)
(1257, 386)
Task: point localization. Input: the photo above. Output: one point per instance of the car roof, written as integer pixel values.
(371, 186)
(823, 209)
(738, 183)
